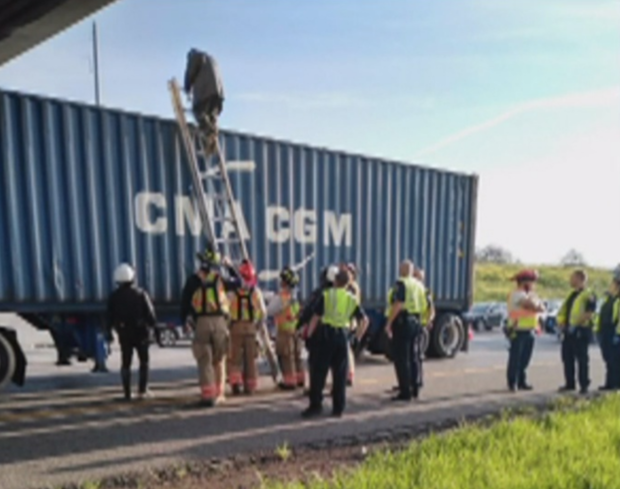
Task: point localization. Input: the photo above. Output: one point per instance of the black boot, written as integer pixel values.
(144, 378)
(126, 379)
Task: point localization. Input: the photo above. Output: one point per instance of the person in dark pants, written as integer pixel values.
(575, 320)
(202, 78)
(334, 310)
(427, 322)
(328, 275)
(404, 325)
(523, 309)
(609, 336)
(130, 314)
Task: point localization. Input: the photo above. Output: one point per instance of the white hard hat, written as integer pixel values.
(124, 274)
(332, 271)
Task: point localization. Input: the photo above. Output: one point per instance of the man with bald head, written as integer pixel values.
(404, 325)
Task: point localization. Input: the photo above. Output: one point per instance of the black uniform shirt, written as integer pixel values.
(400, 292)
(130, 306)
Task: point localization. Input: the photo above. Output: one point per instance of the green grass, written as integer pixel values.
(492, 282)
(566, 449)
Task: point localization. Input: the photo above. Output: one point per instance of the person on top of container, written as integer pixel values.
(203, 80)
(131, 314)
(331, 319)
(284, 308)
(209, 308)
(247, 308)
(524, 306)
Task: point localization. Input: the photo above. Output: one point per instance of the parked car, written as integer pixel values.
(168, 334)
(486, 315)
(549, 319)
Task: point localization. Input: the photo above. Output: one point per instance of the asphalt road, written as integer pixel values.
(66, 425)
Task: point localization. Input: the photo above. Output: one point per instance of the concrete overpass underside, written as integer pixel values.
(26, 23)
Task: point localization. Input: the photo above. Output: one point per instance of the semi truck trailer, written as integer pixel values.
(84, 188)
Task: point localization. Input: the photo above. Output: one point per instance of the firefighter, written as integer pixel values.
(203, 80)
(247, 308)
(354, 289)
(208, 306)
(326, 281)
(130, 314)
(284, 307)
(334, 310)
(523, 309)
(608, 329)
(404, 325)
(575, 321)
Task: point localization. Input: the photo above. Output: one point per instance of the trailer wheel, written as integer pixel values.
(448, 336)
(7, 361)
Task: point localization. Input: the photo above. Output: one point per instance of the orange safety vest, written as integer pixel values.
(286, 320)
(245, 305)
(210, 298)
(519, 318)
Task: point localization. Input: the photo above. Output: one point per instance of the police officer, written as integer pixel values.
(427, 322)
(403, 327)
(355, 332)
(575, 321)
(207, 304)
(247, 309)
(130, 314)
(326, 280)
(607, 326)
(202, 78)
(523, 309)
(284, 308)
(334, 310)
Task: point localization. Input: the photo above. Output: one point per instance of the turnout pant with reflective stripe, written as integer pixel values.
(288, 349)
(242, 370)
(210, 345)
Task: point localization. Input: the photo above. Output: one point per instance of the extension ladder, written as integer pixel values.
(216, 203)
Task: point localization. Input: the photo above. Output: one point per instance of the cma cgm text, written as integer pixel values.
(282, 224)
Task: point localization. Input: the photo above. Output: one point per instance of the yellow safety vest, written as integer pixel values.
(286, 320)
(615, 316)
(579, 307)
(210, 298)
(521, 318)
(339, 306)
(426, 316)
(246, 305)
(416, 301)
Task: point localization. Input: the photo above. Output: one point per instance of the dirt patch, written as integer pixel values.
(301, 463)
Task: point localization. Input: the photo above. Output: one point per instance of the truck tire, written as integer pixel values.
(7, 362)
(448, 336)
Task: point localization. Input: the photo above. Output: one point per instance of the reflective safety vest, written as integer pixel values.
(286, 319)
(416, 300)
(578, 308)
(520, 318)
(388, 309)
(339, 306)
(210, 298)
(609, 316)
(246, 305)
(426, 316)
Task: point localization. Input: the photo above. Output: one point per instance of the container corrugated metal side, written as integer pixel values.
(84, 189)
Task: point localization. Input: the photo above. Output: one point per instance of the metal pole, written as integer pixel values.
(96, 63)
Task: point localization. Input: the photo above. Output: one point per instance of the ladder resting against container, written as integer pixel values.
(216, 203)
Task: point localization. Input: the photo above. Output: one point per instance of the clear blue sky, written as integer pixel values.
(526, 93)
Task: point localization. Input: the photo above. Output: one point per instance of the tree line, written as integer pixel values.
(500, 255)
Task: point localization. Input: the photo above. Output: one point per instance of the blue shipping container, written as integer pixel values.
(83, 189)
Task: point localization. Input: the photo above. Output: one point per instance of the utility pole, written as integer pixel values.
(96, 64)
